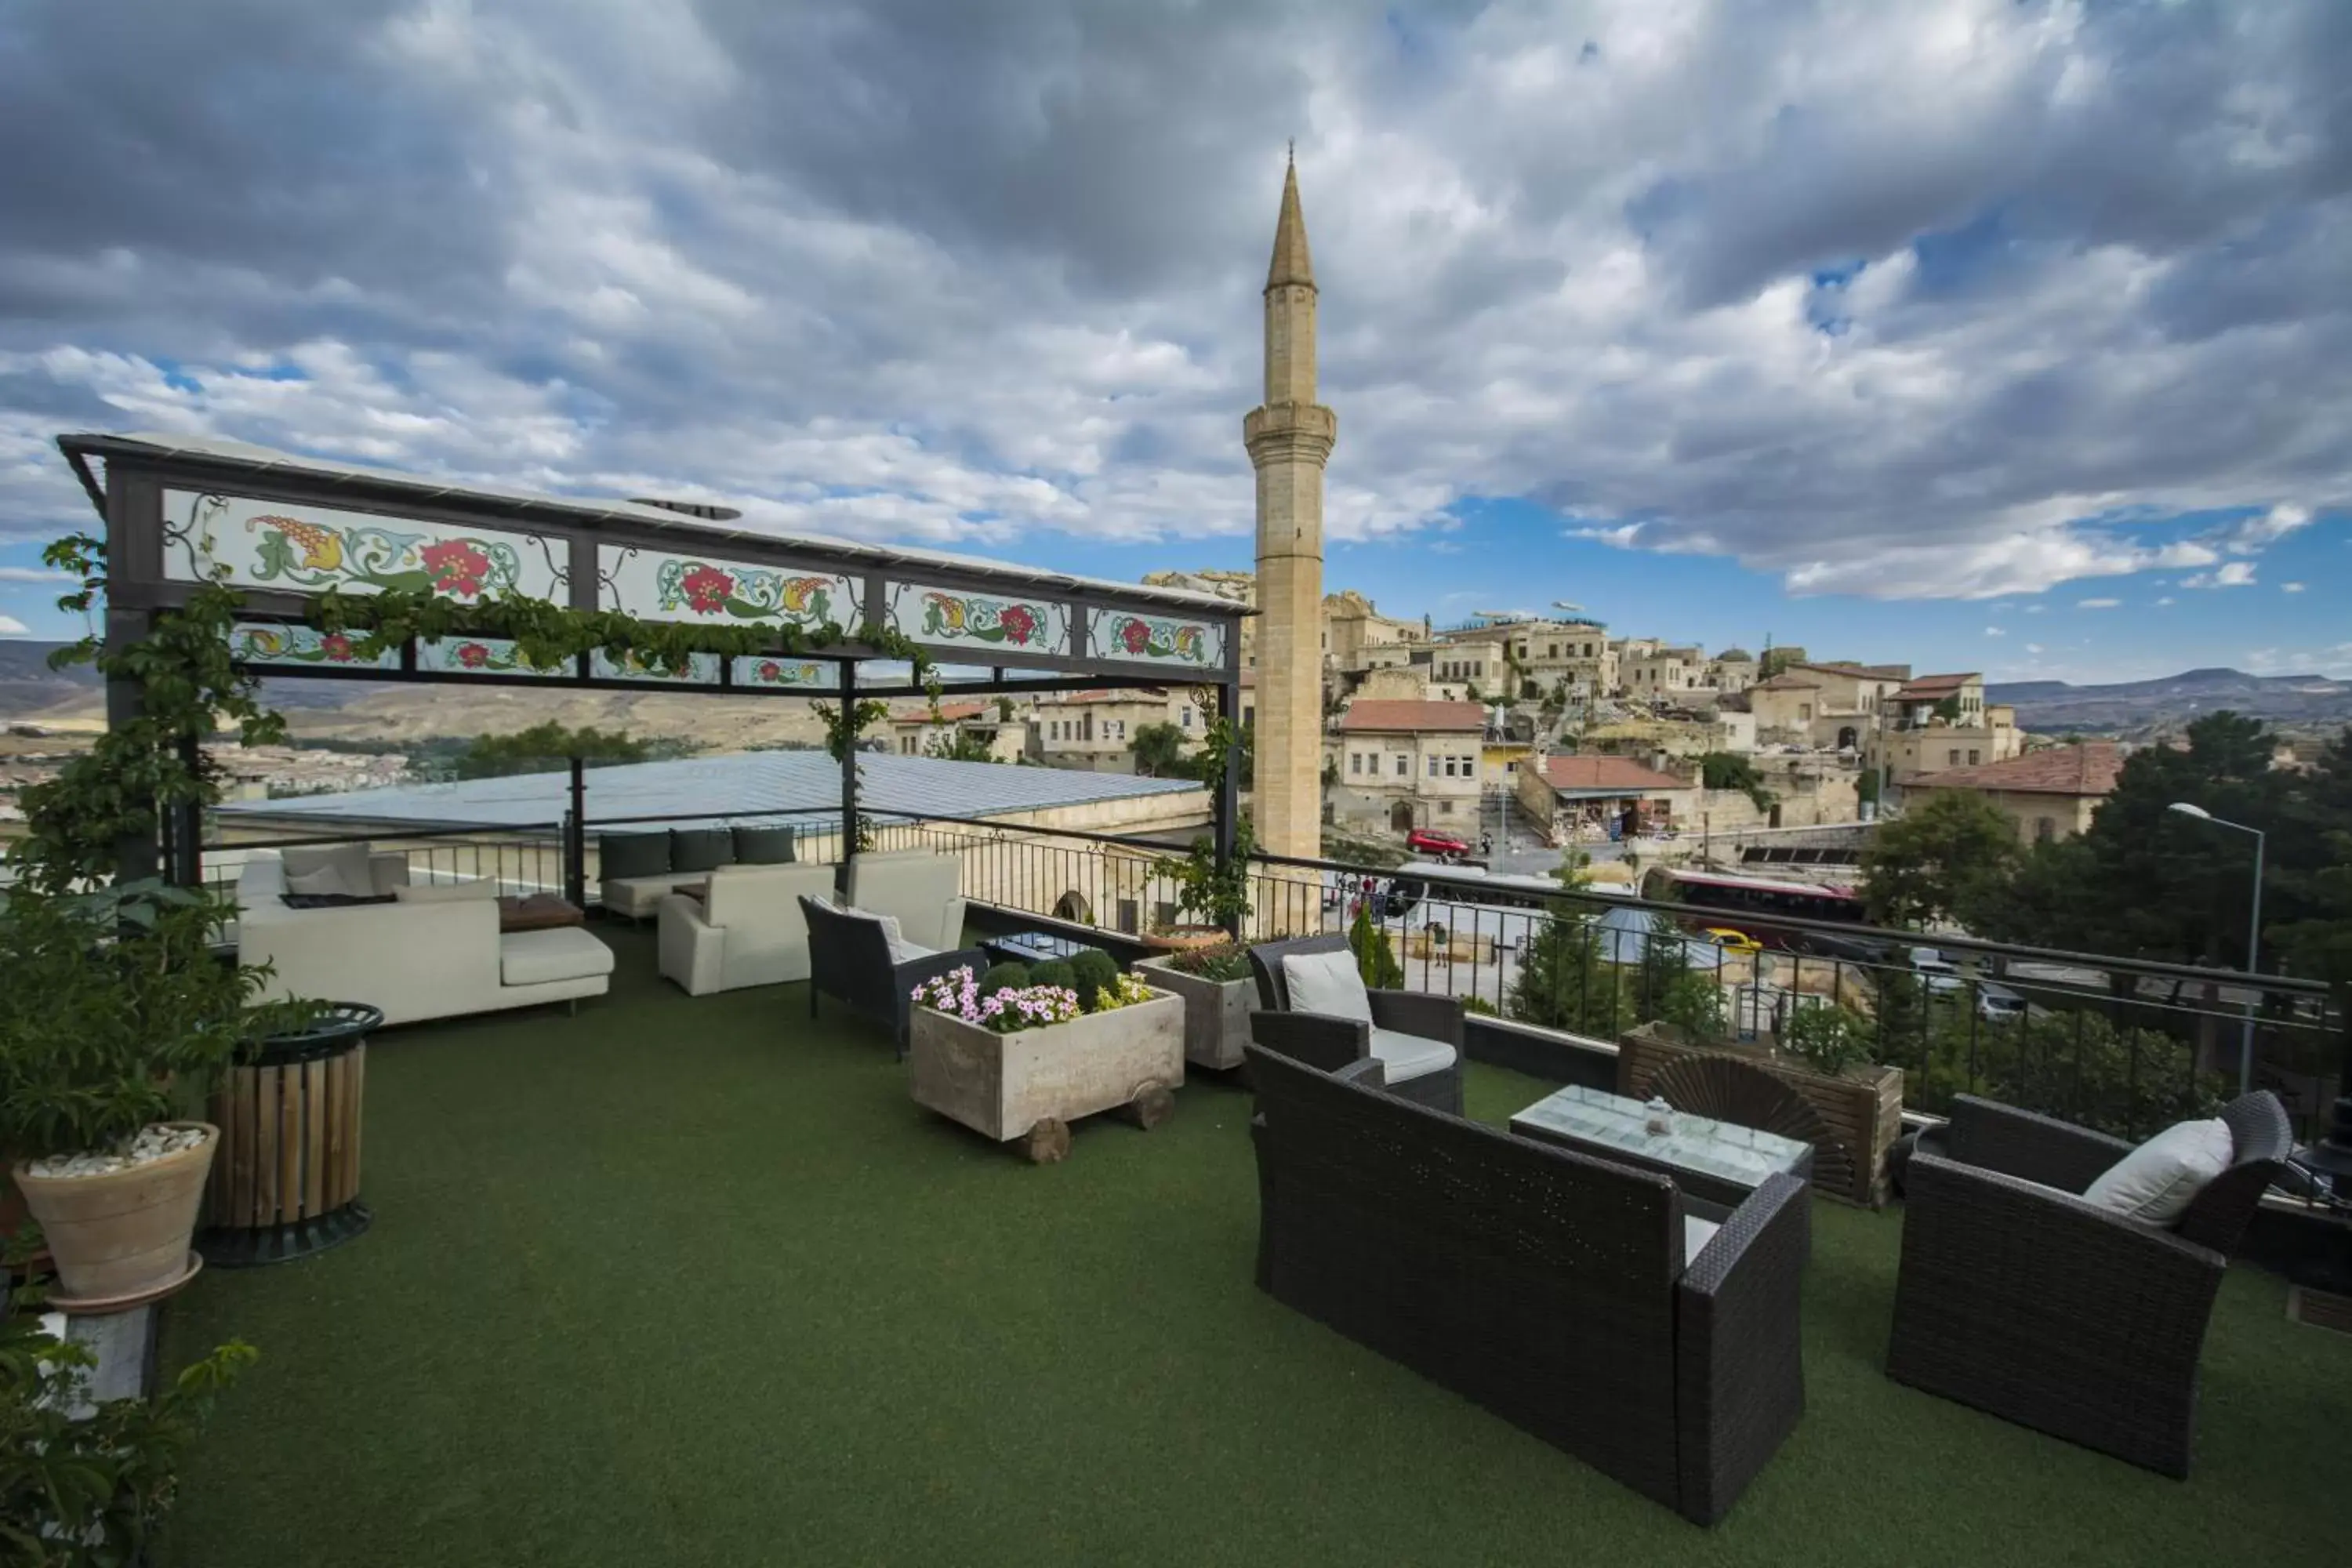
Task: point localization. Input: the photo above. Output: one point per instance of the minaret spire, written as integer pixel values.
(1291, 262)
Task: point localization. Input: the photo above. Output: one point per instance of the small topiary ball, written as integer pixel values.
(1004, 977)
(1094, 971)
(1054, 972)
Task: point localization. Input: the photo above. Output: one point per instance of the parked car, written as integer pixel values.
(1941, 976)
(1425, 841)
(1999, 1005)
(1732, 941)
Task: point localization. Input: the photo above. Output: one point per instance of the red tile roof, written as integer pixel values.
(1131, 694)
(2088, 768)
(1466, 717)
(949, 713)
(1933, 687)
(1785, 682)
(1607, 773)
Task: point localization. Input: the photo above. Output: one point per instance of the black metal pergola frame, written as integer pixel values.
(157, 559)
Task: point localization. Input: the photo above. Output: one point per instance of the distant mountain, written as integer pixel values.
(2055, 705)
(28, 686)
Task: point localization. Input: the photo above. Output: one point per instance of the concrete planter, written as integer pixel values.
(122, 1237)
(1032, 1084)
(1217, 1012)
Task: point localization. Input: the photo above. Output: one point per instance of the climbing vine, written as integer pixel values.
(139, 770)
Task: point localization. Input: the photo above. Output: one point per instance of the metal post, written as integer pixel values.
(1228, 817)
(848, 775)
(135, 854)
(575, 839)
(185, 826)
(2254, 967)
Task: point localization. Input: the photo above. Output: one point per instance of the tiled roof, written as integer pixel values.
(1607, 773)
(1925, 688)
(2088, 768)
(1138, 694)
(1414, 717)
(949, 713)
(1786, 683)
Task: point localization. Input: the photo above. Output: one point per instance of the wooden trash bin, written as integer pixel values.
(286, 1180)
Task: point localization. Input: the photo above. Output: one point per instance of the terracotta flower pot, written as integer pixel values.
(126, 1231)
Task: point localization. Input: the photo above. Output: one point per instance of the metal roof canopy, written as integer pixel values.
(283, 529)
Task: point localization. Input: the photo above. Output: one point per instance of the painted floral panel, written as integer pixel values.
(484, 655)
(255, 643)
(309, 549)
(702, 669)
(653, 585)
(1156, 639)
(934, 614)
(776, 671)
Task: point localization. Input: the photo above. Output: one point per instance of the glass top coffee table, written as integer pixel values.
(1714, 1161)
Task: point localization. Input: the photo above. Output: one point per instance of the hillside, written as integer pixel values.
(28, 686)
(2055, 705)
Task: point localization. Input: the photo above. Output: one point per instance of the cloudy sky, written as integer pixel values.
(1982, 333)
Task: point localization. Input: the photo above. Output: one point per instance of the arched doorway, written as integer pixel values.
(1072, 907)
(1401, 816)
(1848, 737)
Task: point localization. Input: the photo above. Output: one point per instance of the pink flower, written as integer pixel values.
(1018, 624)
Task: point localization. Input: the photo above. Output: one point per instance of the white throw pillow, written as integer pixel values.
(327, 881)
(446, 892)
(1327, 982)
(349, 862)
(2157, 1181)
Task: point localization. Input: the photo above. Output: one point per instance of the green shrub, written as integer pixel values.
(1226, 961)
(1004, 977)
(1375, 960)
(1479, 1007)
(1054, 972)
(1094, 972)
(1828, 1039)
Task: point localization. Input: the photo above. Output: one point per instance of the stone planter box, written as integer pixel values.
(1860, 1111)
(1032, 1084)
(1216, 1011)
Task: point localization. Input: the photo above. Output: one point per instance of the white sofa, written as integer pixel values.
(921, 887)
(437, 957)
(747, 929)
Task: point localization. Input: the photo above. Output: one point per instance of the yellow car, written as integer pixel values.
(1732, 941)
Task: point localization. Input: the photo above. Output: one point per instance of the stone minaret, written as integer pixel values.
(1288, 436)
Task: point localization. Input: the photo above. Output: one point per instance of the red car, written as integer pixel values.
(1421, 841)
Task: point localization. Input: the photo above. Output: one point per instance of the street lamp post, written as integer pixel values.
(2253, 934)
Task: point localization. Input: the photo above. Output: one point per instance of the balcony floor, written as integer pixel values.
(692, 1281)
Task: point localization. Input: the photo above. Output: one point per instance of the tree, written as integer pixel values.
(1159, 750)
(1949, 709)
(1375, 959)
(546, 748)
(1729, 770)
(1775, 661)
(840, 738)
(1940, 859)
(1208, 764)
(960, 745)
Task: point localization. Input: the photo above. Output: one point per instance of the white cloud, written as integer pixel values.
(2096, 604)
(2034, 609)
(2272, 526)
(1622, 537)
(2033, 647)
(2229, 574)
(2290, 587)
(34, 574)
(2166, 600)
(1995, 632)
(10, 626)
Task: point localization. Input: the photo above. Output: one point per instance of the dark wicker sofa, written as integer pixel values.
(1327, 1042)
(849, 960)
(2018, 1298)
(1549, 1287)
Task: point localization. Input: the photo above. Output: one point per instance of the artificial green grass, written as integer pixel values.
(692, 1281)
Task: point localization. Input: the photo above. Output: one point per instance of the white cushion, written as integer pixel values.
(446, 892)
(353, 878)
(905, 951)
(2157, 1181)
(1404, 1056)
(536, 957)
(327, 881)
(1697, 1234)
(1327, 982)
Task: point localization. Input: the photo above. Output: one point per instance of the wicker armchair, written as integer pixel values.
(850, 960)
(2024, 1301)
(1571, 1296)
(1410, 1021)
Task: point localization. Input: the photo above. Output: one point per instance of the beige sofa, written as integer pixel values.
(921, 887)
(437, 957)
(747, 929)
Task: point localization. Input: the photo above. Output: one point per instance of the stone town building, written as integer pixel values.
(1663, 674)
(1402, 766)
(1917, 700)
(2047, 794)
(926, 731)
(1732, 671)
(1356, 637)
(1934, 746)
(1290, 437)
(1582, 798)
(1833, 705)
(1095, 731)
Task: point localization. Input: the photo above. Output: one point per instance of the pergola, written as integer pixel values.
(180, 510)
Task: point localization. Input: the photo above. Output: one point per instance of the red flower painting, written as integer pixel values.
(457, 567)
(769, 670)
(1017, 624)
(336, 648)
(473, 655)
(1135, 635)
(706, 590)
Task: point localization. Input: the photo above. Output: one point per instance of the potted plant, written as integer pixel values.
(1219, 895)
(1219, 991)
(1022, 1061)
(114, 1010)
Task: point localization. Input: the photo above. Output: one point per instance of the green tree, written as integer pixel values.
(1729, 770)
(546, 748)
(1159, 750)
(1949, 709)
(1375, 959)
(959, 745)
(1208, 764)
(840, 737)
(1943, 859)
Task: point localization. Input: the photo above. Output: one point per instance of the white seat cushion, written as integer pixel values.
(905, 951)
(1327, 982)
(352, 876)
(1697, 1234)
(537, 957)
(2157, 1181)
(1404, 1056)
(446, 892)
